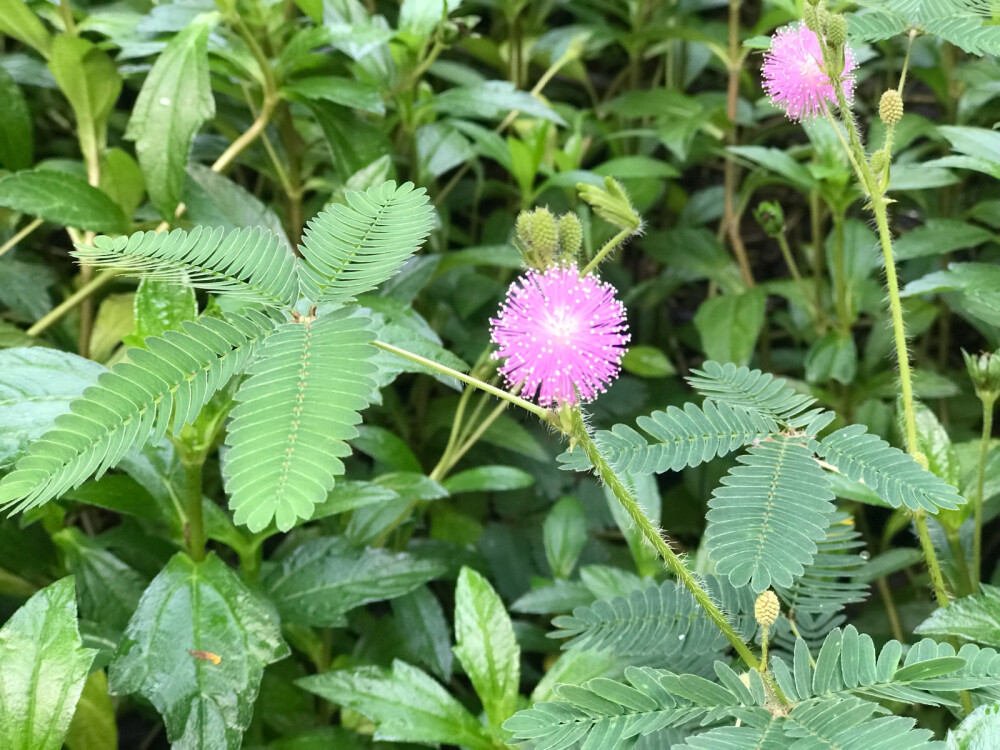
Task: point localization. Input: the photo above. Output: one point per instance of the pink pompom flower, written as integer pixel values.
(794, 76)
(563, 336)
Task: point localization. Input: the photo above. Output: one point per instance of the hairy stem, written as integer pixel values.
(578, 432)
(731, 172)
(609, 247)
(977, 536)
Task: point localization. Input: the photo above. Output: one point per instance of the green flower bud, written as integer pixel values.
(811, 18)
(771, 218)
(835, 30)
(890, 107)
(878, 161)
(570, 235)
(984, 371)
(612, 203)
(544, 236)
(522, 229)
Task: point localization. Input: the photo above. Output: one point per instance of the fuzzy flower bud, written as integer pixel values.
(771, 218)
(836, 30)
(766, 609)
(878, 161)
(890, 107)
(522, 228)
(811, 18)
(984, 371)
(544, 234)
(570, 235)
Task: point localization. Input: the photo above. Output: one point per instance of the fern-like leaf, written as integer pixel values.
(752, 389)
(828, 584)
(659, 619)
(132, 403)
(888, 471)
(350, 249)
(681, 438)
(967, 24)
(252, 263)
(294, 415)
(766, 518)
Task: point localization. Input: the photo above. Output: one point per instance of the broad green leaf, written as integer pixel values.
(36, 385)
(940, 236)
(18, 21)
(107, 588)
(421, 17)
(44, 669)
(935, 443)
(386, 448)
(89, 80)
(778, 162)
(63, 199)
(17, 141)
(196, 649)
(729, 325)
(325, 578)
(160, 306)
(24, 288)
(977, 282)
(489, 479)
(214, 200)
(113, 322)
(486, 647)
(565, 535)
(491, 100)
(833, 357)
(175, 100)
(406, 704)
(94, 725)
(420, 619)
(121, 178)
(339, 90)
(647, 362)
(980, 730)
(974, 618)
(636, 167)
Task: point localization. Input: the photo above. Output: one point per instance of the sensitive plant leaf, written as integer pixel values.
(17, 140)
(350, 249)
(752, 389)
(159, 388)
(253, 264)
(975, 618)
(175, 99)
(44, 669)
(895, 476)
(323, 579)
(62, 198)
(766, 518)
(486, 647)
(847, 724)
(406, 704)
(294, 414)
(88, 78)
(196, 648)
(36, 386)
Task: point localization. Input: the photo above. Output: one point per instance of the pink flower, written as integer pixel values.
(563, 336)
(794, 77)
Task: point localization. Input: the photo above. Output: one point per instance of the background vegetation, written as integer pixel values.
(456, 575)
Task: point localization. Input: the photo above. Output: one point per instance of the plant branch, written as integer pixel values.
(57, 313)
(609, 247)
(20, 235)
(977, 538)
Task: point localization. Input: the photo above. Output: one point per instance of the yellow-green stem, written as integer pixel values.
(20, 235)
(977, 535)
(56, 314)
(609, 247)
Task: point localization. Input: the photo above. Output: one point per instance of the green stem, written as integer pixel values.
(24, 232)
(81, 294)
(609, 246)
(193, 497)
(841, 289)
(578, 432)
(984, 446)
(966, 584)
(540, 412)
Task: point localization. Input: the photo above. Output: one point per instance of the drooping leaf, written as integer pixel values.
(44, 669)
(406, 704)
(486, 647)
(175, 99)
(325, 578)
(196, 648)
(294, 414)
(350, 249)
(159, 388)
(62, 198)
(36, 386)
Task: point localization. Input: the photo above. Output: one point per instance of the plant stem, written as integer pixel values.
(24, 232)
(542, 413)
(966, 584)
(984, 446)
(841, 290)
(609, 246)
(193, 497)
(72, 301)
(578, 432)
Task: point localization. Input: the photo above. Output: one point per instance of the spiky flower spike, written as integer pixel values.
(563, 336)
(794, 77)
